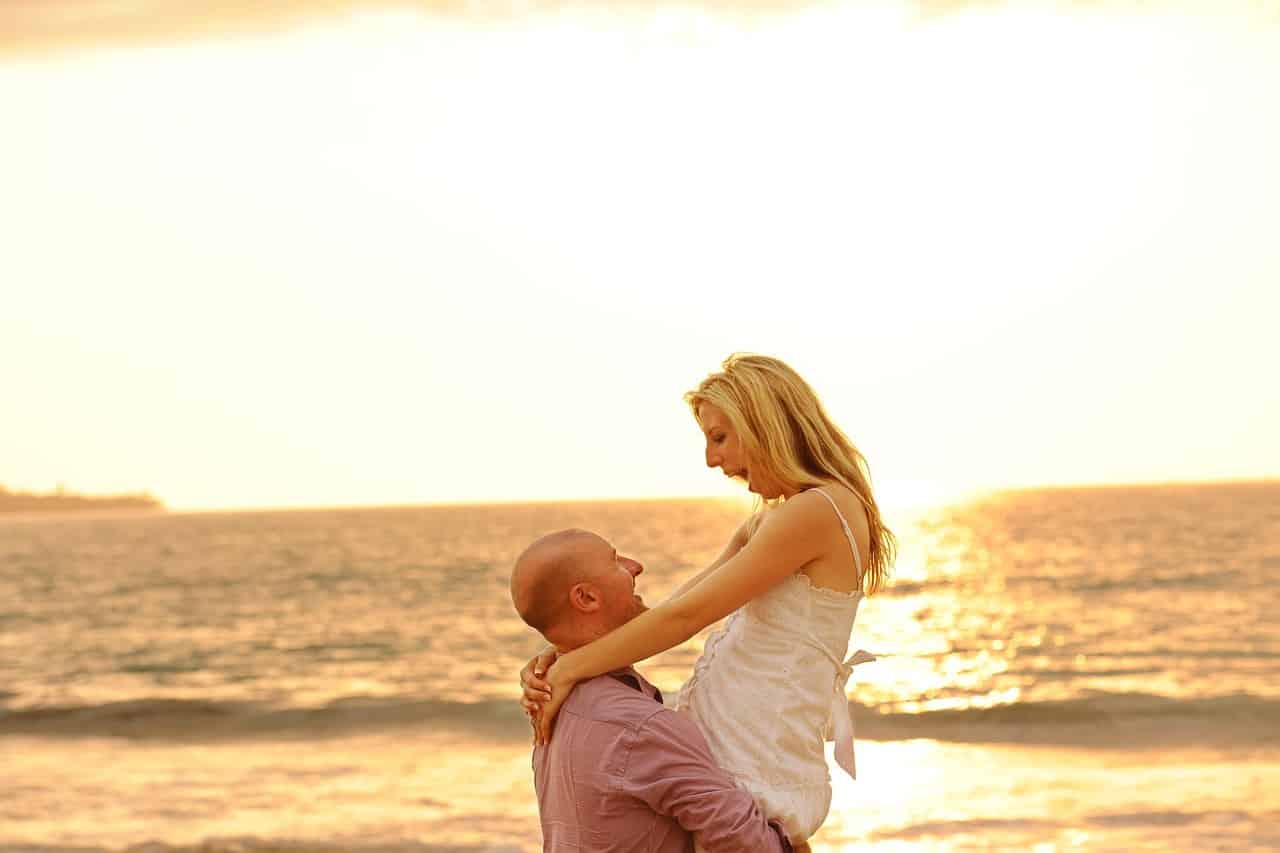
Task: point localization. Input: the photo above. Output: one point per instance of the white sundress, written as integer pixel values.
(769, 689)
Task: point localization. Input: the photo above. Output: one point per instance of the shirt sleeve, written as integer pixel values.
(671, 770)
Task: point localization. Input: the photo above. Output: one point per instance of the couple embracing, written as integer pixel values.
(739, 764)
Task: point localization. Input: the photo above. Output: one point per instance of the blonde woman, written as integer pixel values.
(770, 683)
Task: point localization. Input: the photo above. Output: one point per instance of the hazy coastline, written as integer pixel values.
(61, 500)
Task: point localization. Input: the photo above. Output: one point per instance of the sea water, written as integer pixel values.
(1057, 669)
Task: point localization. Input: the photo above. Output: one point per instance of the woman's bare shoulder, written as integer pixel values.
(798, 512)
(849, 504)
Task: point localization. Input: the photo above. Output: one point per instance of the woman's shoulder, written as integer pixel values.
(820, 496)
(830, 510)
(814, 511)
(802, 510)
(845, 500)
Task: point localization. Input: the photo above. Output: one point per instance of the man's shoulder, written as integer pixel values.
(607, 699)
(601, 724)
(614, 704)
(608, 726)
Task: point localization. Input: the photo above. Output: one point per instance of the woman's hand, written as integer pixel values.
(559, 686)
(534, 690)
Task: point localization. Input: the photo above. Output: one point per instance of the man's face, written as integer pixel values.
(614, 575)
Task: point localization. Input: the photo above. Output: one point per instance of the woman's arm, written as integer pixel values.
(739, 538)
(792, 538)
(533, 688)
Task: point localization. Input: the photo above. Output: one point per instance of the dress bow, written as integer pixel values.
(841, 719)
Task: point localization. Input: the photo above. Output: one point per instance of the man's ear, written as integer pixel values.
(584, 597)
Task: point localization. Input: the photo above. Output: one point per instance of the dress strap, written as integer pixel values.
(853, 545)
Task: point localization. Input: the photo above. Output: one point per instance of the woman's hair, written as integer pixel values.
(784, 430)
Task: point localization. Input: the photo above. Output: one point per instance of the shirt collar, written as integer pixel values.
(628, 676)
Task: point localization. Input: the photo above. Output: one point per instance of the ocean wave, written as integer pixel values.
(1098, 717)
(198, 719)
(1169, 653)
(1083, 583)
(1217, 821)
(1139, 582)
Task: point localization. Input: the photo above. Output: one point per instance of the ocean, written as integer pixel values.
(1057, 669)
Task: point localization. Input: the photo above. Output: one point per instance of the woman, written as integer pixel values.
(770, 684)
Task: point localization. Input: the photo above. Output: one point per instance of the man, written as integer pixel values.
(622, 772)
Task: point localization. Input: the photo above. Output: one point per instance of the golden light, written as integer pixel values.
(409, 256)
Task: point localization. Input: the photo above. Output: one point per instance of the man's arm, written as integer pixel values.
(671, 770)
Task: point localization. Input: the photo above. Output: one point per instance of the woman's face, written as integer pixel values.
(724, 447)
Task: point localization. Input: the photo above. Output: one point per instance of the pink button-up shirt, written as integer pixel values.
(624, 773)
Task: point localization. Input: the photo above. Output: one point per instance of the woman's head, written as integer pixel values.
(764, 424)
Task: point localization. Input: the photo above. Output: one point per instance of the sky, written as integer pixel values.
(305, 254)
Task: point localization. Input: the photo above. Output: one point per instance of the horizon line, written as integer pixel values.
(956, 496)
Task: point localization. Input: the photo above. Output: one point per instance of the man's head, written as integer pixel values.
(572, 587)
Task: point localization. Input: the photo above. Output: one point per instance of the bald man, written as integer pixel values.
(623, 773)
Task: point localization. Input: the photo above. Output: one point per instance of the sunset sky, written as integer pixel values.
(375, 253)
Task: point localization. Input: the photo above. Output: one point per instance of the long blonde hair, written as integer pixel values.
(785, 430)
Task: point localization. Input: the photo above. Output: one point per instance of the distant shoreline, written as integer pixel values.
(63, 502)
(743, 499)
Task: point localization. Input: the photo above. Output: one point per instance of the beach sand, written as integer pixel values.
(424, 790)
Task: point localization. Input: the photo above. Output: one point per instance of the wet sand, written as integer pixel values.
(428, 791)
